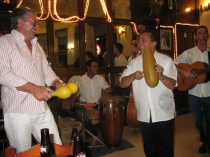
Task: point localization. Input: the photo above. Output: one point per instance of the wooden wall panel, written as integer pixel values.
(185, 39)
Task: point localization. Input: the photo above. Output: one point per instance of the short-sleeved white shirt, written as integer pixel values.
(159, 101)
(120, 61)
(90, 90)
(131, 57)
(191, 56)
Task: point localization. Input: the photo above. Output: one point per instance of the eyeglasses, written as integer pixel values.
(35, 23)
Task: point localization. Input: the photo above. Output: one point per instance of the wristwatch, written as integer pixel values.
(162, 77)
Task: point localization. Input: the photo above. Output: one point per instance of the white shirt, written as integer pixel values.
(191, 56)
(17, 67)
(158, 100)
(131, 57)
(74, 78)
(90, 90)
(120, 60)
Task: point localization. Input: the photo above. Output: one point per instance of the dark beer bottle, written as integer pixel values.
(45, 146)
(78, 145)
(73, 133)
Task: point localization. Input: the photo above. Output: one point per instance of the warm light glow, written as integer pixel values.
(18, 5)
(121, 30)
(105, 10)
(98, 49)
(134, 28)
(205, 6)
(70, 46)
(187, 10)
(54, 15)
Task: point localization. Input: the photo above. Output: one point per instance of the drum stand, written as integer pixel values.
(83, 133)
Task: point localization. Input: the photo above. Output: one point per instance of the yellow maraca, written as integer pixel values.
(73, 86)
(62, 92)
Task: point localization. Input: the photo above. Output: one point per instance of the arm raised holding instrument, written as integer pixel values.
(138, 75)
(153, 77)
(127, 80)
(167, 81)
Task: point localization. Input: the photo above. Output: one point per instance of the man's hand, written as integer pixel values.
(138, 75)
(58, 83)
(42, 93)
(188, 74)
(108, 90)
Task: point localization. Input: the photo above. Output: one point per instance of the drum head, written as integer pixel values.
(111, 99)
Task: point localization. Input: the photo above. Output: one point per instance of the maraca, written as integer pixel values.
(150, 75)
(73, 86)
(62, 92)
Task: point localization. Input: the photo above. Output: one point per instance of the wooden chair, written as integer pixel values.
(59, 150)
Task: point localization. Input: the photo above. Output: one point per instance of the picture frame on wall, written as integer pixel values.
(166, 39)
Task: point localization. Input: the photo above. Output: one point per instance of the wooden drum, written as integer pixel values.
(131, 113)
(112, 119)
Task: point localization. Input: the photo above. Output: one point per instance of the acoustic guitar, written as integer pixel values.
(198, 69)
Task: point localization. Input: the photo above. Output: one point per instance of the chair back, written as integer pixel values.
(59, 150)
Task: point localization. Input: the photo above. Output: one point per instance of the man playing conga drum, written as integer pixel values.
(91, 86)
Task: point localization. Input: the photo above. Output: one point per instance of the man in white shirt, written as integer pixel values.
(91, 86)
(24, 74)
(199, 96)
(119, 59)
(155, 106)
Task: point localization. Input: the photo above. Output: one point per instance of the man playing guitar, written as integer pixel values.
(199, 95)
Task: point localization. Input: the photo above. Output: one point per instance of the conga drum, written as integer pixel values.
(131, 113)
(112, 119)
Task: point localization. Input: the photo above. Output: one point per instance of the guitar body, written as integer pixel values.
(187, 83)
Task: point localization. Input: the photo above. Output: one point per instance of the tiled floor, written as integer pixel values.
(186, 140)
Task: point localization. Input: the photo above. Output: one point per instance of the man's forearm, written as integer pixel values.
(28, 87)
(127, 80)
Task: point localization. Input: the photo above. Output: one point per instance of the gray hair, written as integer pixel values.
(19, 13)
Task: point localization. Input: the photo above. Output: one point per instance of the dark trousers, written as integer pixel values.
(196, 104)
(158, 138)
(81, 115)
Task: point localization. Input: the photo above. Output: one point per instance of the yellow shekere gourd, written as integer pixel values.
(62, 92)
(150, 75)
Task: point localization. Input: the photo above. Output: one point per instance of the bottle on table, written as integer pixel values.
(45, 146)
(78, 144)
